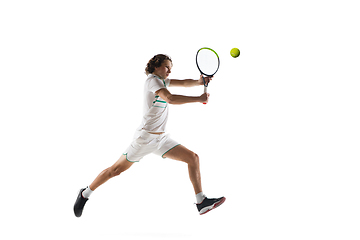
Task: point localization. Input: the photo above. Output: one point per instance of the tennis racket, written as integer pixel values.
(208, 62)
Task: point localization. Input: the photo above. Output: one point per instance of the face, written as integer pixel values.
(164, 70)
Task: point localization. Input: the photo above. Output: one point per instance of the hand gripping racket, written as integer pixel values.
(208, 62)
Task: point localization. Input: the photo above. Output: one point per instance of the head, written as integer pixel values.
(160, 65)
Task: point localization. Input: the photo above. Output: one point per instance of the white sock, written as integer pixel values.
(87, 192)
(200, 197)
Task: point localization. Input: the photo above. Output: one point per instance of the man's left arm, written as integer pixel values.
(188, 82)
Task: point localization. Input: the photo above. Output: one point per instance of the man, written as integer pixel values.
(150, 137)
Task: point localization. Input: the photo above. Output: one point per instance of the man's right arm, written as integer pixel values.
(180, 99)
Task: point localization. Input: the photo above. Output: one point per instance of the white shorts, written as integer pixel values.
(145, 143)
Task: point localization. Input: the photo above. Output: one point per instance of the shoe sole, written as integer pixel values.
(215, 205)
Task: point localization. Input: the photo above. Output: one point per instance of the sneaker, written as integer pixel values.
(80, 203)
(209, 204)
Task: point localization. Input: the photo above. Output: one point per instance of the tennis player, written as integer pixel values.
(150, 137)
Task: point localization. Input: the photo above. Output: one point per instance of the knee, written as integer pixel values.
(194, 159)
(113, 172)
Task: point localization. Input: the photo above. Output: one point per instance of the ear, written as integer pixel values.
(156, 68)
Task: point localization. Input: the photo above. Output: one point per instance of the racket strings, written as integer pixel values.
(207, 61)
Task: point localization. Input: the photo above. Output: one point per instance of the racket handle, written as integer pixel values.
(205, 91)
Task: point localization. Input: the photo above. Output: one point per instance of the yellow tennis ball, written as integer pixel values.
(235, 52)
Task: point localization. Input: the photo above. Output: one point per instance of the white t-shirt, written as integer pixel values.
(155, 108)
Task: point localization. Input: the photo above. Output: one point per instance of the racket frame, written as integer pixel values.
(202, 73)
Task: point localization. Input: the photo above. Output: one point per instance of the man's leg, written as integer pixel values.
(120, 166)
(183, 154)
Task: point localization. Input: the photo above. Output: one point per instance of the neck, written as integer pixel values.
(157, 75)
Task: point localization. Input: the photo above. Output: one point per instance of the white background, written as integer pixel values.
(279, 137)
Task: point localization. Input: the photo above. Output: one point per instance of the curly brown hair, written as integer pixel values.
(155, 62)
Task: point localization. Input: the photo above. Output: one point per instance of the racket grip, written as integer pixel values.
(205, 91)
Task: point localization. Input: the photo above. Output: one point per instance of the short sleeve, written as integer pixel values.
(156, 84)
(167, 82)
